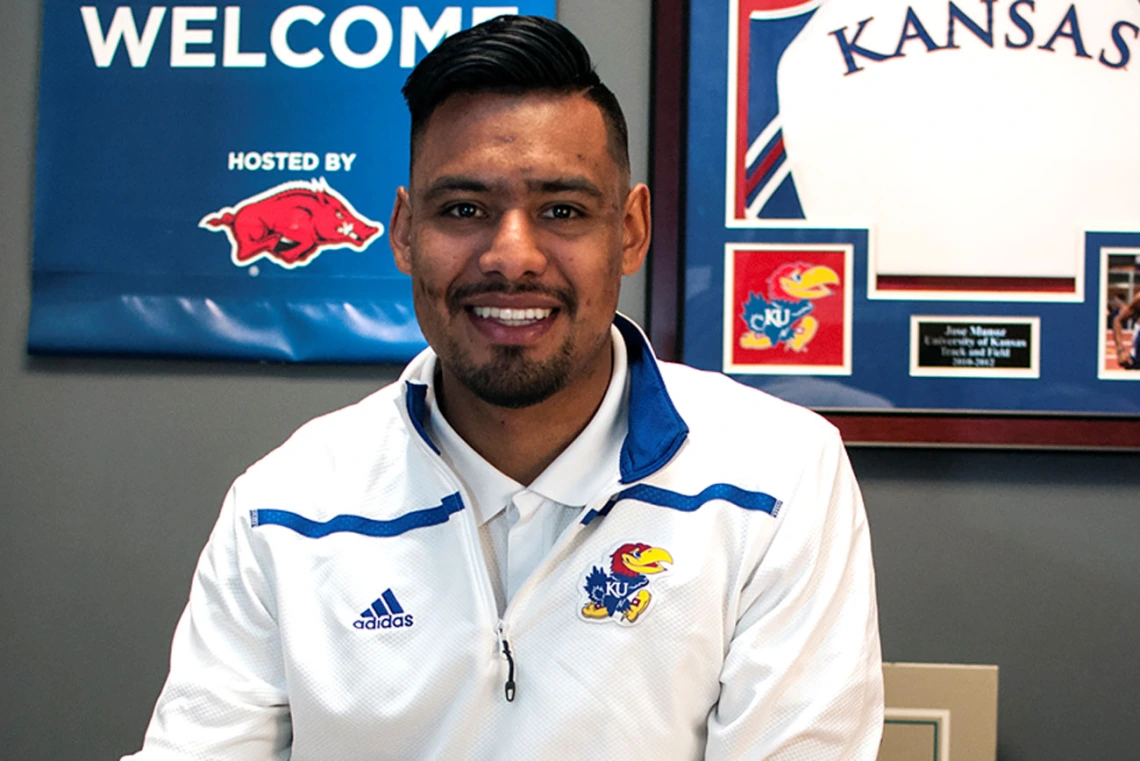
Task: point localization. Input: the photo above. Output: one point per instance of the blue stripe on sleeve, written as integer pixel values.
(356, 524)
(654, 495)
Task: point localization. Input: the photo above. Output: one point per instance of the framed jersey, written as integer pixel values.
(905, 211)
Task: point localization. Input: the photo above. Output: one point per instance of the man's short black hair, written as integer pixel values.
(512, 55)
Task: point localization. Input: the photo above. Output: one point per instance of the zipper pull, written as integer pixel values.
(509, 687)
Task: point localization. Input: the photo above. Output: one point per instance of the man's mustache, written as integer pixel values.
(458, 294)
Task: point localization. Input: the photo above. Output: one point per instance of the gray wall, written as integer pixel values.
(111, 473)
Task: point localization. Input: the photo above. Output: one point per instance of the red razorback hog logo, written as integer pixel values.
(292, 224)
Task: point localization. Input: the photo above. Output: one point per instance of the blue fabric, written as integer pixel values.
(133, 154)
(655, 495)
(308, 319)
(656, 429)
(393, 604)
(589, 516)
(356, 524)
(416, 398)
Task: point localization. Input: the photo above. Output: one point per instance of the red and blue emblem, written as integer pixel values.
(784, 317)
(620, 592)
(788, 309)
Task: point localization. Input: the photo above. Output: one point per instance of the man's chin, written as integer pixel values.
(513, 399)
(514, 393)
(513, 381)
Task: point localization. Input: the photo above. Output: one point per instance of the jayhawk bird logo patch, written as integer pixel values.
(620, 594)
(785, 317)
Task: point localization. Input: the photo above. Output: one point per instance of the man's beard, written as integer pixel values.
(511, 380)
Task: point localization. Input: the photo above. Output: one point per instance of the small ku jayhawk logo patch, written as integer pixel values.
(620, 594)
(788, 309)
(784, 318)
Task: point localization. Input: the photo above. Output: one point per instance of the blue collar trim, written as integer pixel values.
(416, 399)
(656, 429)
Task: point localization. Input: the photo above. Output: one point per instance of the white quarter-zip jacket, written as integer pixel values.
(519, 524)
(718, 602)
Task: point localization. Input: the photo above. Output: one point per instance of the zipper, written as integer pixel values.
(471, 533)
(475, 553)
(509, 686)
(476, 561)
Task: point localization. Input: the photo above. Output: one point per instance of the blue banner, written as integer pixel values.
(216, 181)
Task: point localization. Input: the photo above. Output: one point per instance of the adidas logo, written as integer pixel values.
(384, 613)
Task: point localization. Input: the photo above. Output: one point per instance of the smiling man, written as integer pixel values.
(541, 542)
(517, 227)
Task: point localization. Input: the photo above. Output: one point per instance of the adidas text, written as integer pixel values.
(385, 622)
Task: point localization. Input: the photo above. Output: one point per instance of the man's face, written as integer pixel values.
(516, 230)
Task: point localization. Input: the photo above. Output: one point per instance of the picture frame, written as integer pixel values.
(1005, 359)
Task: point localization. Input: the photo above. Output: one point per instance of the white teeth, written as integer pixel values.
(512, 317)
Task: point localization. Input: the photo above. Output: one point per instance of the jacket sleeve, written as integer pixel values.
(225, 698)
(802, 677)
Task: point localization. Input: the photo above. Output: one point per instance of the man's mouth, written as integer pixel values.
(512, 316)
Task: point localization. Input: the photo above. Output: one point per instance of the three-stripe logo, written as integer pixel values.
(385, 612)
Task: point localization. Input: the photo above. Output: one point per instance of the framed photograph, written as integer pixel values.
(916, 217)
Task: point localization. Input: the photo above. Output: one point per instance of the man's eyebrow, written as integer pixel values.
(454, 184)
(565, 185)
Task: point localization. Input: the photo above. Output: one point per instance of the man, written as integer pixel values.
(540, 543)
(1127, 356)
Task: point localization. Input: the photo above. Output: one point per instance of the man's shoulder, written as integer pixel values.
(357, 434)
(714, 403)
(746, 437)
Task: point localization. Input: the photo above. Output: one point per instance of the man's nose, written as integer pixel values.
(514, 252)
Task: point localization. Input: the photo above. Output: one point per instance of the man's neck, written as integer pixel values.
(522, 442)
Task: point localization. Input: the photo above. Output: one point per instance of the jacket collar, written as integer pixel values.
(656, 430)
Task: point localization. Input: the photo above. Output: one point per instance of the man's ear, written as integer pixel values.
(637, 228)
(400, 231)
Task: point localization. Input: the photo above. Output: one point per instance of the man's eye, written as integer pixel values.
(561, 211)
(463, 211)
